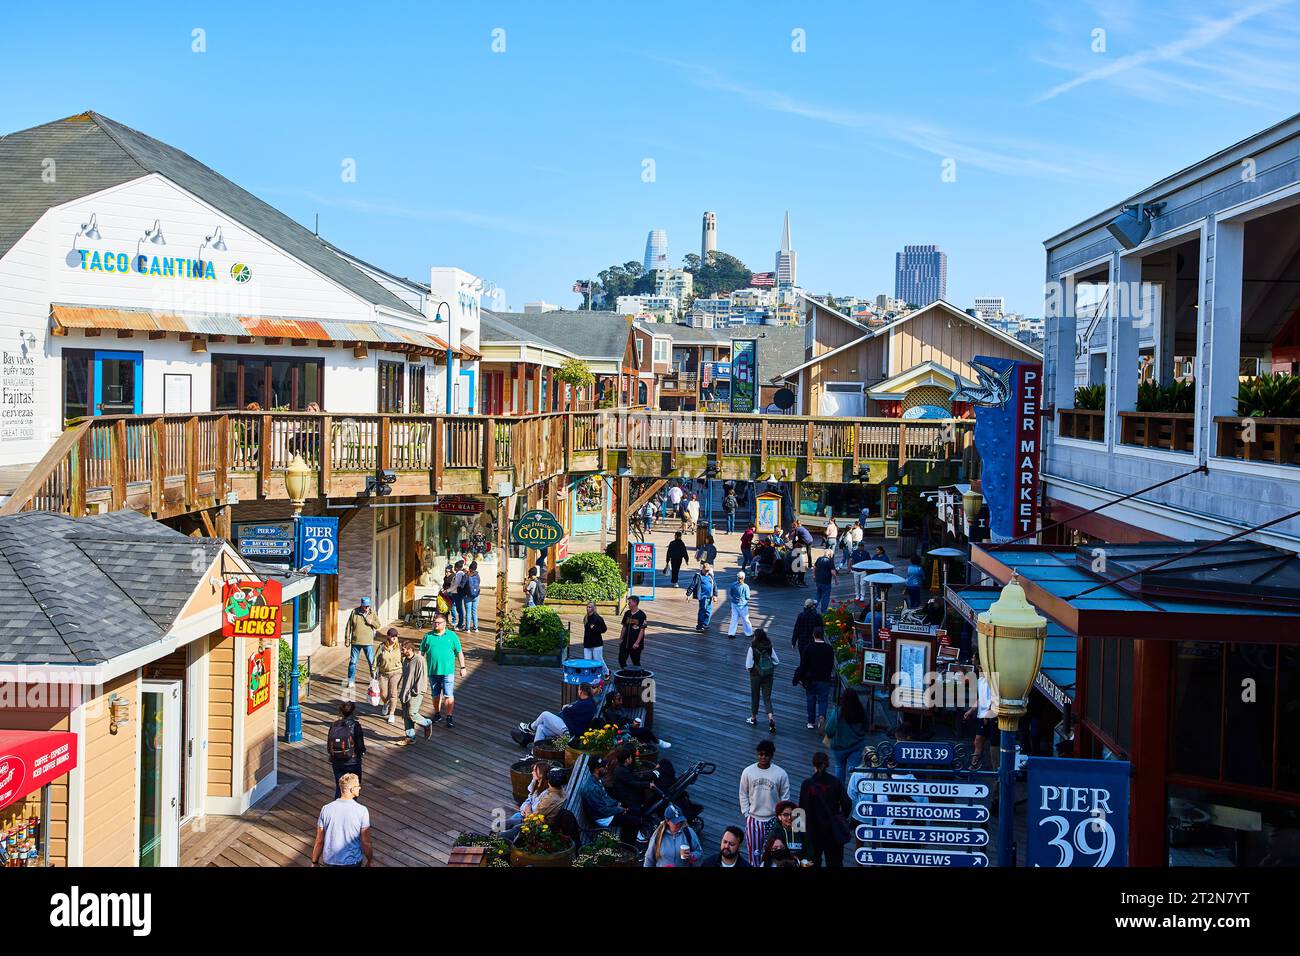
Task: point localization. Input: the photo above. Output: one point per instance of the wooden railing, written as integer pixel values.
(172, 464)
(1273, 440)
(1172, 431)
(1085, 424)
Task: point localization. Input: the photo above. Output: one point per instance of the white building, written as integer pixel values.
(536, 308)
(989, 308)
(677, 283)
(664, 308)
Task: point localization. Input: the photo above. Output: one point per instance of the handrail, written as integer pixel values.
(126, 453)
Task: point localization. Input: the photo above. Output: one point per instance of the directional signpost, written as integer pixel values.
(915, 809)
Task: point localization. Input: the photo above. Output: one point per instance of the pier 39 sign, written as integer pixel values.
(536, 529)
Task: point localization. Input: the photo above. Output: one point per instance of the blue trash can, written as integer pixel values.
(578, 670)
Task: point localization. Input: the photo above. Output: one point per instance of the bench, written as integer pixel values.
(578, 777)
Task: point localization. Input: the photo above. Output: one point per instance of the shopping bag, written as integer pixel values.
(373, 693)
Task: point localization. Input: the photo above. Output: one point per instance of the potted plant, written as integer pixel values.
(590, 576)
(539, 844)
(498, 850)
(539, 639)
(597, 740)
(1090, 398)
(552, 748)
(608, 850)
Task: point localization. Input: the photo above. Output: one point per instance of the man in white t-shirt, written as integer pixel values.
(675, 496)
(343, 829)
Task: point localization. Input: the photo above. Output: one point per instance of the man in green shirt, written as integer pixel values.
(442, 652)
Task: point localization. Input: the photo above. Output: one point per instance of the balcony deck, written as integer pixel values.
(167, 465)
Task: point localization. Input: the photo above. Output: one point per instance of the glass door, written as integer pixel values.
(160, 773)
(119, 383)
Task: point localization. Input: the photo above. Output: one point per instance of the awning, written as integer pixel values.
(29, 759)
(1056, 675)
(66, 317)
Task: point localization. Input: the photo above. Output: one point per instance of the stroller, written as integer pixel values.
(671, 789)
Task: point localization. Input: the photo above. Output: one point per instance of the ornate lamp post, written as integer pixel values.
(297, 481)
(972, 503)
(1011, 635)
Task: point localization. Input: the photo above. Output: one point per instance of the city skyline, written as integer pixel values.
(1045, 128)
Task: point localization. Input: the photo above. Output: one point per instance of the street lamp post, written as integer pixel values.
(297, 480)
(1011, 635)
(437, 313)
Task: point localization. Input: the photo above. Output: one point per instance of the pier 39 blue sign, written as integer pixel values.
(1078, 812)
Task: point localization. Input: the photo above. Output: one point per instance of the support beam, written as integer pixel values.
(646, 495)
(621, 515)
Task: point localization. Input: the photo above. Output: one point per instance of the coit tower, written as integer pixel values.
(708, 237)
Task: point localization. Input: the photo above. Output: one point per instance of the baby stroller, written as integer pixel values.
(671, 788)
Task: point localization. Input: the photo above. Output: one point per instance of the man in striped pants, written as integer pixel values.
(762, 786)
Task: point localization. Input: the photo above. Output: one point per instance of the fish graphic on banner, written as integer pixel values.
(1007, 400)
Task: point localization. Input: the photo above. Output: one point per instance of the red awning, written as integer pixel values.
(29, 759)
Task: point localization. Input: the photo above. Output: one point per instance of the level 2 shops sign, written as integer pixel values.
(536, 529)
(251, 609)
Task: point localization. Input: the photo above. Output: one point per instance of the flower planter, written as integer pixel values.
(512, 658)
(604, 608)
(624, 857)
(558, 858)
(521, 775)
(1276, 440)
(542, 752)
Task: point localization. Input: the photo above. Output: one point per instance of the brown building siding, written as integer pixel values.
(936, 335)
(109, 818)
(221, 728)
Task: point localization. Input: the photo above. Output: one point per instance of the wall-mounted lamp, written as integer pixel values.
(359, 351)
(198, 344)
(215, 241)
(90, 229)
(119, 712)
(154, 235)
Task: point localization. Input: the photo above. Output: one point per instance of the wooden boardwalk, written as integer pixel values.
(421, 797)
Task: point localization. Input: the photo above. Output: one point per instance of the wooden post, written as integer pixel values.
(489, 453)
(902, 443)
(264, 457)
(384, 453)
(568, 441)
(624, 489)
(672, 443)
(762, 444)
(717, 439)
(326, 455)
(221, 476)
(192, 462)
(329, 627)
(158, 438)
(80, 454)
(439, 452)
(117, 464)
(853, 437)
(1149, 752)
(808, 447)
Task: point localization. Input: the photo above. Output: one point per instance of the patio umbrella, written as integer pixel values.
(883, 578)
(873, 566)
(944, 554)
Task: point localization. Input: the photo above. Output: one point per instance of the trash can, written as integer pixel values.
(577, 671)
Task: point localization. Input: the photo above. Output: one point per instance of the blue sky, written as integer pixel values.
(526, 166)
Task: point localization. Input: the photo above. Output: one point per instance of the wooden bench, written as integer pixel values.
(578, 776)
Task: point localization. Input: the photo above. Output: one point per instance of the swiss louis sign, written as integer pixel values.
(1078, 812)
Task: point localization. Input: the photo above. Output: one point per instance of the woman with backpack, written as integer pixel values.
(471, 588)
(761, 661)
(826, 811)
(846, 731)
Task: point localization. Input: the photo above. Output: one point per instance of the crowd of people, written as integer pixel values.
(776, 824)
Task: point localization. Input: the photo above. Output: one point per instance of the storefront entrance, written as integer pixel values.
(388, 565)
(160, 772)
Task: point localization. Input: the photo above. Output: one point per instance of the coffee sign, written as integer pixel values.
(536, 529)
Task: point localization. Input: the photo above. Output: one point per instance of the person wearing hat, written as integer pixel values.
(389, 665)
(574, 719)
(360, 636)
(673, 843)
(804, 625)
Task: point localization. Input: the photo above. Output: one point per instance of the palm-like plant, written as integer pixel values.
(1270, 396)
(1090, 398)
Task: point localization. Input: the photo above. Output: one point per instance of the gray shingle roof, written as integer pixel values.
(84, 591)
(92, 152)
(601, 335)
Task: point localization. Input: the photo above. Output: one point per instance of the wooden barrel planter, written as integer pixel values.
(647, 755)
(559, 858)
(521, 775)
(542, 752)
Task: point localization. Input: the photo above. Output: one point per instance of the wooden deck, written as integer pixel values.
(421, 797)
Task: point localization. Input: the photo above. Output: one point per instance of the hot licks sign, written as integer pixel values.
(251, 609)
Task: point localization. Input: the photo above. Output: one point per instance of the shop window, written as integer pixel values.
(271, 383)
(1198, 707)
(1288, 720)
(1110, 689)
(390, 387)
(1250, 681)
(417, 389)
(78, 383)
(24, 841)
(309, 608)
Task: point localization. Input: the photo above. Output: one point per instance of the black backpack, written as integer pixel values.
(539, 592)
(340, 743)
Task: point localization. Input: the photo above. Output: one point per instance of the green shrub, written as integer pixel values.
(1174, 397)
(540, 632)
(588, 577)
(285, 660)
(1090, 398)
(1270, 396)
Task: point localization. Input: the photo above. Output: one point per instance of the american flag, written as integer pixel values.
(580, 287)
(763, 278)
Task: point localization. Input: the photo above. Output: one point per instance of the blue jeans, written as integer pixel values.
(471, 612)
(706, 613)
(818, 693)
(731, 522)
(842, 760)
(913, 596)
(352, 660)
(746, 556)
(823, 598)
(458, 611)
